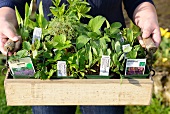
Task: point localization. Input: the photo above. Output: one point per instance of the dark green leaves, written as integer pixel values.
(41, 75)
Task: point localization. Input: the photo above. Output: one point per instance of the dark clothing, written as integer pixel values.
(12, 3)
(111, 9)
(72, 109)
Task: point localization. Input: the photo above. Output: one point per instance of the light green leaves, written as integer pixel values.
(127, 49)
(115, 58)
(90, 57)
(41, 9)
(130, 35)
(96, 23)
(118, 46)
(42, 22)
(60, 42)
(56, 2)
(116, 25)
(103, 44)
(28, 9)
(82, 41)
(19, 19)
(22, 53)
(34, 53)
(60, 39)
(26, 45)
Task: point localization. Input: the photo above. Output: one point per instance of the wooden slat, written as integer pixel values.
(78, 92)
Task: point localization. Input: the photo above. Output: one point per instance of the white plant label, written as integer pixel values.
(22, 67)
(124, 47)
(36, 34)
(135, 66)
(61, 68)
(105, 65)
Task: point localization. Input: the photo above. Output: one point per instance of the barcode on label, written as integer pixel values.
(36, 34)
(61, 68)
(105, 65)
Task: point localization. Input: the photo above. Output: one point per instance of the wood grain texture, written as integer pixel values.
(24, 92)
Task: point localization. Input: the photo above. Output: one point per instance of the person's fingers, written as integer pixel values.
(10, 32)
(17, 44)
(141, 41)
(2, 42)
(156, 36)
(2, 36)
(146, 32)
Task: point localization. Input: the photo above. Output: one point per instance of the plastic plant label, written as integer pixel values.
(105, 65)
(61, 68)
(124, 47)
(36, 34)
(22, 67)
(135, 66)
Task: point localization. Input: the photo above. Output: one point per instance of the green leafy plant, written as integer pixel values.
(156, 107)
(66, 38)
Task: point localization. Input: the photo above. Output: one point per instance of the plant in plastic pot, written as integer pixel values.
(81, 46)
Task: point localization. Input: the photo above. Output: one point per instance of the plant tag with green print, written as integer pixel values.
(135, 66)
(22, 67)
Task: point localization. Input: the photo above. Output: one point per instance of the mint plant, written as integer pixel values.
(66, 38)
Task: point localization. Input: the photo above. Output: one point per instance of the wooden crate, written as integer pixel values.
(23, 92)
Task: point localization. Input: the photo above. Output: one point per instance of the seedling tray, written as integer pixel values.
(26, 92)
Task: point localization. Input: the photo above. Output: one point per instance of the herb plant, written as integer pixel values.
(66, 38)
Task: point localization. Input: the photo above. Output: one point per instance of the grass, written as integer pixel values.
(156, 107)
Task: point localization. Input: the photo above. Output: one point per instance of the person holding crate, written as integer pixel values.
(141, 12)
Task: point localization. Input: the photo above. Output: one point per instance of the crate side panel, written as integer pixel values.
(80, 93)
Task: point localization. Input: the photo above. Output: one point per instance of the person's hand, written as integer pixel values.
(146, 18)
(8, 24)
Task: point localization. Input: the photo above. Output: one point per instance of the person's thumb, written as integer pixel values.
(146, 33)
